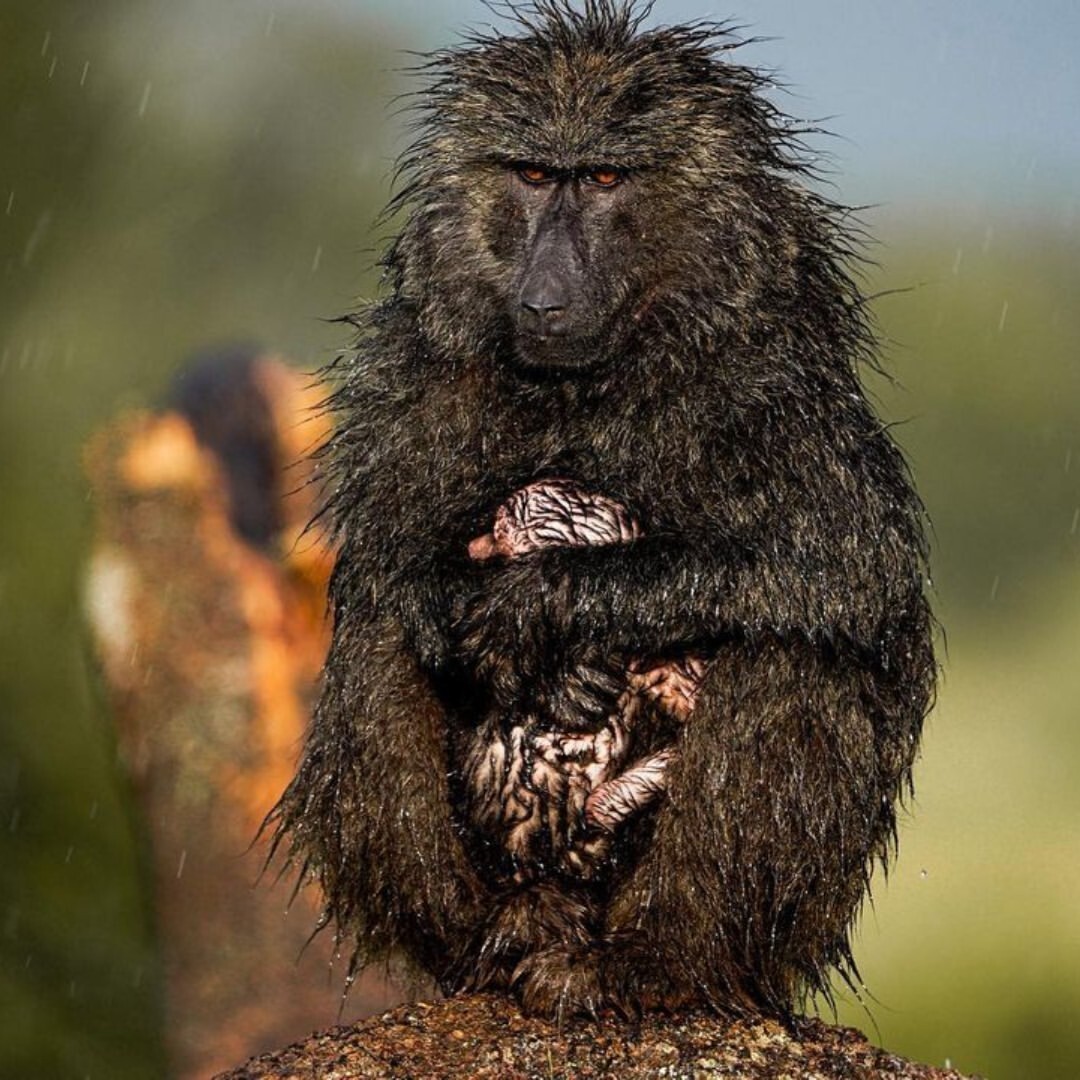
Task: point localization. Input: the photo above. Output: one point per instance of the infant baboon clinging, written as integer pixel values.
(611, 276)
(545, 799)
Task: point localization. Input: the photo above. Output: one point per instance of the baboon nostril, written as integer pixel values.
(544, 297)
(540, 307)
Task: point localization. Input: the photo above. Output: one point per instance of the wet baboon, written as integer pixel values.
(611, 277)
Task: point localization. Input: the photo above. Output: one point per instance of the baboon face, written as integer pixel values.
(578, 189)
(566, 256)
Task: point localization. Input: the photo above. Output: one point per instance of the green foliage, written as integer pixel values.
(213, 177)
(986, 344)
(966, 952)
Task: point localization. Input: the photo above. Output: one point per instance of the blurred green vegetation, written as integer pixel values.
(971, 951)
(196, 173)
(180, 178)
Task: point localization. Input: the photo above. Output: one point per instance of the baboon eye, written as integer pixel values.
(535, 174)
(605, 176)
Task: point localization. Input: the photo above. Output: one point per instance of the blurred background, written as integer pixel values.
(178, 175)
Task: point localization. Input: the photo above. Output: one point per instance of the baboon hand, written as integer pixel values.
(511, 630)
(582, 696)
(429, 601)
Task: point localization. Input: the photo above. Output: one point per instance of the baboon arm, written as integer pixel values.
(779, 800)
(369, 807)
(412, 579)
(428, 597)
(657, 592)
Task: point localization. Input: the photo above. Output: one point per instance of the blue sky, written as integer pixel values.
(955, 101)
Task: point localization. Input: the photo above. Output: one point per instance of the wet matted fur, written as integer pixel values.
(718, 399)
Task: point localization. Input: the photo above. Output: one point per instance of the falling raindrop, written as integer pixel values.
(318, 259)
(52, 66)
(957, 261)
(994, 587)
(85, 72)
(1004, 316)
(70, 852)
(10, 204)
(36, 236)
(45, 43)
(183, 859)
(145, 101)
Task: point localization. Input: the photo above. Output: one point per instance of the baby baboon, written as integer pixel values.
(611, 276)
(544, 798)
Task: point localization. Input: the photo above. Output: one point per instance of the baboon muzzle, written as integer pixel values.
(551, 288)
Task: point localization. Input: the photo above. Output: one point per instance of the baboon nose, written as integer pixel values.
(545, 301)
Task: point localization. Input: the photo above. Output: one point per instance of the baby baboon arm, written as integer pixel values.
(627, 794)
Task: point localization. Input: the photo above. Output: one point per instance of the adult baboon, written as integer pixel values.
(611, 277)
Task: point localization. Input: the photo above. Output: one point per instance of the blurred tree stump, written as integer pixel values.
(484, 1037)
(207, 610)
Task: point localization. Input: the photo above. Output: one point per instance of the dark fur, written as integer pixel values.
(722, 406)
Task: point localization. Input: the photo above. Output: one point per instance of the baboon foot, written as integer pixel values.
(535, 919)
(619, 974)
(561, 982)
